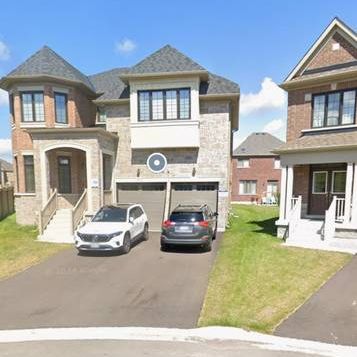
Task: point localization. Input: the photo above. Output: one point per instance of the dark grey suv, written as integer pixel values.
(190, 225)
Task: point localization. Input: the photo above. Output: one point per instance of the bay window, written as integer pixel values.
(164, 104)
(61, 108)
(32, 107)
(334, 109)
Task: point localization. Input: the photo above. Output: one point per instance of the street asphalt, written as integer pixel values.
(147, 287)
(140, 349)
(330, 315)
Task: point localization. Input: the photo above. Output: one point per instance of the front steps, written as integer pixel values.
(307, 234)
(59, 230)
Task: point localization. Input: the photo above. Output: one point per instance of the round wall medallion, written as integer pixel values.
(156, 162)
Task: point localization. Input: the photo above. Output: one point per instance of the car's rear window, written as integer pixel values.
(186, 217)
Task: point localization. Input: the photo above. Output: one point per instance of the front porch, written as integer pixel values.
(318, 203)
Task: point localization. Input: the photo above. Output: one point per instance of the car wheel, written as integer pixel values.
(146, 232)
(126, 244)
(208, 245)
(164, 247)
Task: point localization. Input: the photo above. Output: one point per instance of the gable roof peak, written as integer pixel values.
(335, 25)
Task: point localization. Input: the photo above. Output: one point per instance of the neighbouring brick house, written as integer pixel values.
(6, 173)
(319, 160)
(157, 133)
(256, 170)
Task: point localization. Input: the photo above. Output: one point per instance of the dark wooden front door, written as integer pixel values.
(64, 175)
(326, 181)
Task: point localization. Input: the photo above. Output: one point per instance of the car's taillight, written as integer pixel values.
(203, 224)
(167, 224)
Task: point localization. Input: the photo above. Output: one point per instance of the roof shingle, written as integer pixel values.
(258, 144)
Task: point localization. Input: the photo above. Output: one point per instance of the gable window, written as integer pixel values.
(102, 114)
(333, 109)
(243, 163)
(61, 108)
(29, 174)
(164, 104)
(247, 187)
(32, 107)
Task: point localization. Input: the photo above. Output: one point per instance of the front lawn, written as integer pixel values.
(19, 248)
(256, 282)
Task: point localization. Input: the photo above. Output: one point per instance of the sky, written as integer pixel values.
(254, 43)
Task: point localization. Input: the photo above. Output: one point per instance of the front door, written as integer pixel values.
(64, 174)
(326, 181)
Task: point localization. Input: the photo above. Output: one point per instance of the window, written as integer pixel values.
(338, 181)
(277, 164)
(332, 109)
(61, 108)
(248, 187)
(319, 182)
(243, 163)
(29, 174)
(164, 104)
(102, 115)
(11, 107)
(107, 171)
(32, 107)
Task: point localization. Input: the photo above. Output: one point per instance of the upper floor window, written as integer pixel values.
(243, 163)
(164, 104)
(101, 115)
(277, 164)
(333, 109)
(32, 107)
(11, 107)
(61, 108)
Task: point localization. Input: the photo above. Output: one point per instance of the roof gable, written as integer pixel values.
(47, 62)
(336, 31)
(5, 166)
(167, 59)
(258, 144)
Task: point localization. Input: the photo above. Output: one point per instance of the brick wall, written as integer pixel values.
(262, 170)
(327, 56)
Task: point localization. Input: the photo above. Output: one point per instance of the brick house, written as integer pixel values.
(6, 173)
(319, 170)
(157, 133)
(256, 169)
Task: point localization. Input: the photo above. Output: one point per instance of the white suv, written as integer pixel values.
(113, 228)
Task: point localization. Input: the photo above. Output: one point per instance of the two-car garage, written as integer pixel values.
(153, 197)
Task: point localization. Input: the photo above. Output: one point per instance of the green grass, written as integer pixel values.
(256, 282)
(19, 248)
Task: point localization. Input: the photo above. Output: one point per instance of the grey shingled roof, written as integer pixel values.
(258, 144)
(47, 62)
(5, 166)
(166, 59)
(110, 84)
(218, 85)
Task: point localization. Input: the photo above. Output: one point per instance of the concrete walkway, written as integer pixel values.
(330, 315)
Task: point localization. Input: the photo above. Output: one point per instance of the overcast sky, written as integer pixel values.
(254, 43)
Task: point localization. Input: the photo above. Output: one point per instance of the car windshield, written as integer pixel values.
(186, 217)
(111, 214)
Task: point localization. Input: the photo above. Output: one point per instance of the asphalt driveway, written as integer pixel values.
(147, 287)
(330, 315)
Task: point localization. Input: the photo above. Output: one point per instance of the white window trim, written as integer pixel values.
(248, 194)
(313, 182)
(333, 182)
(275, 161)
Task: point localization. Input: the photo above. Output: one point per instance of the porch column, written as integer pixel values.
(282, 193)
(348, 192)
(354, 197)
(289, 189)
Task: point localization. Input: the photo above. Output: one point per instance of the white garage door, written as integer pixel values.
(194, 193)
(150, 195)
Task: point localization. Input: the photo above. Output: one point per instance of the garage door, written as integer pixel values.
(194, 193)
(150, 195)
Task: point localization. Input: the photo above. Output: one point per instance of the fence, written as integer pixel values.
(6, 201)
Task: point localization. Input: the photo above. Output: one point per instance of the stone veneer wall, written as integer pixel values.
(211, 160)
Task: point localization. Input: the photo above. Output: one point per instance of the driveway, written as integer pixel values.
(147, 287)
(330, 315)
